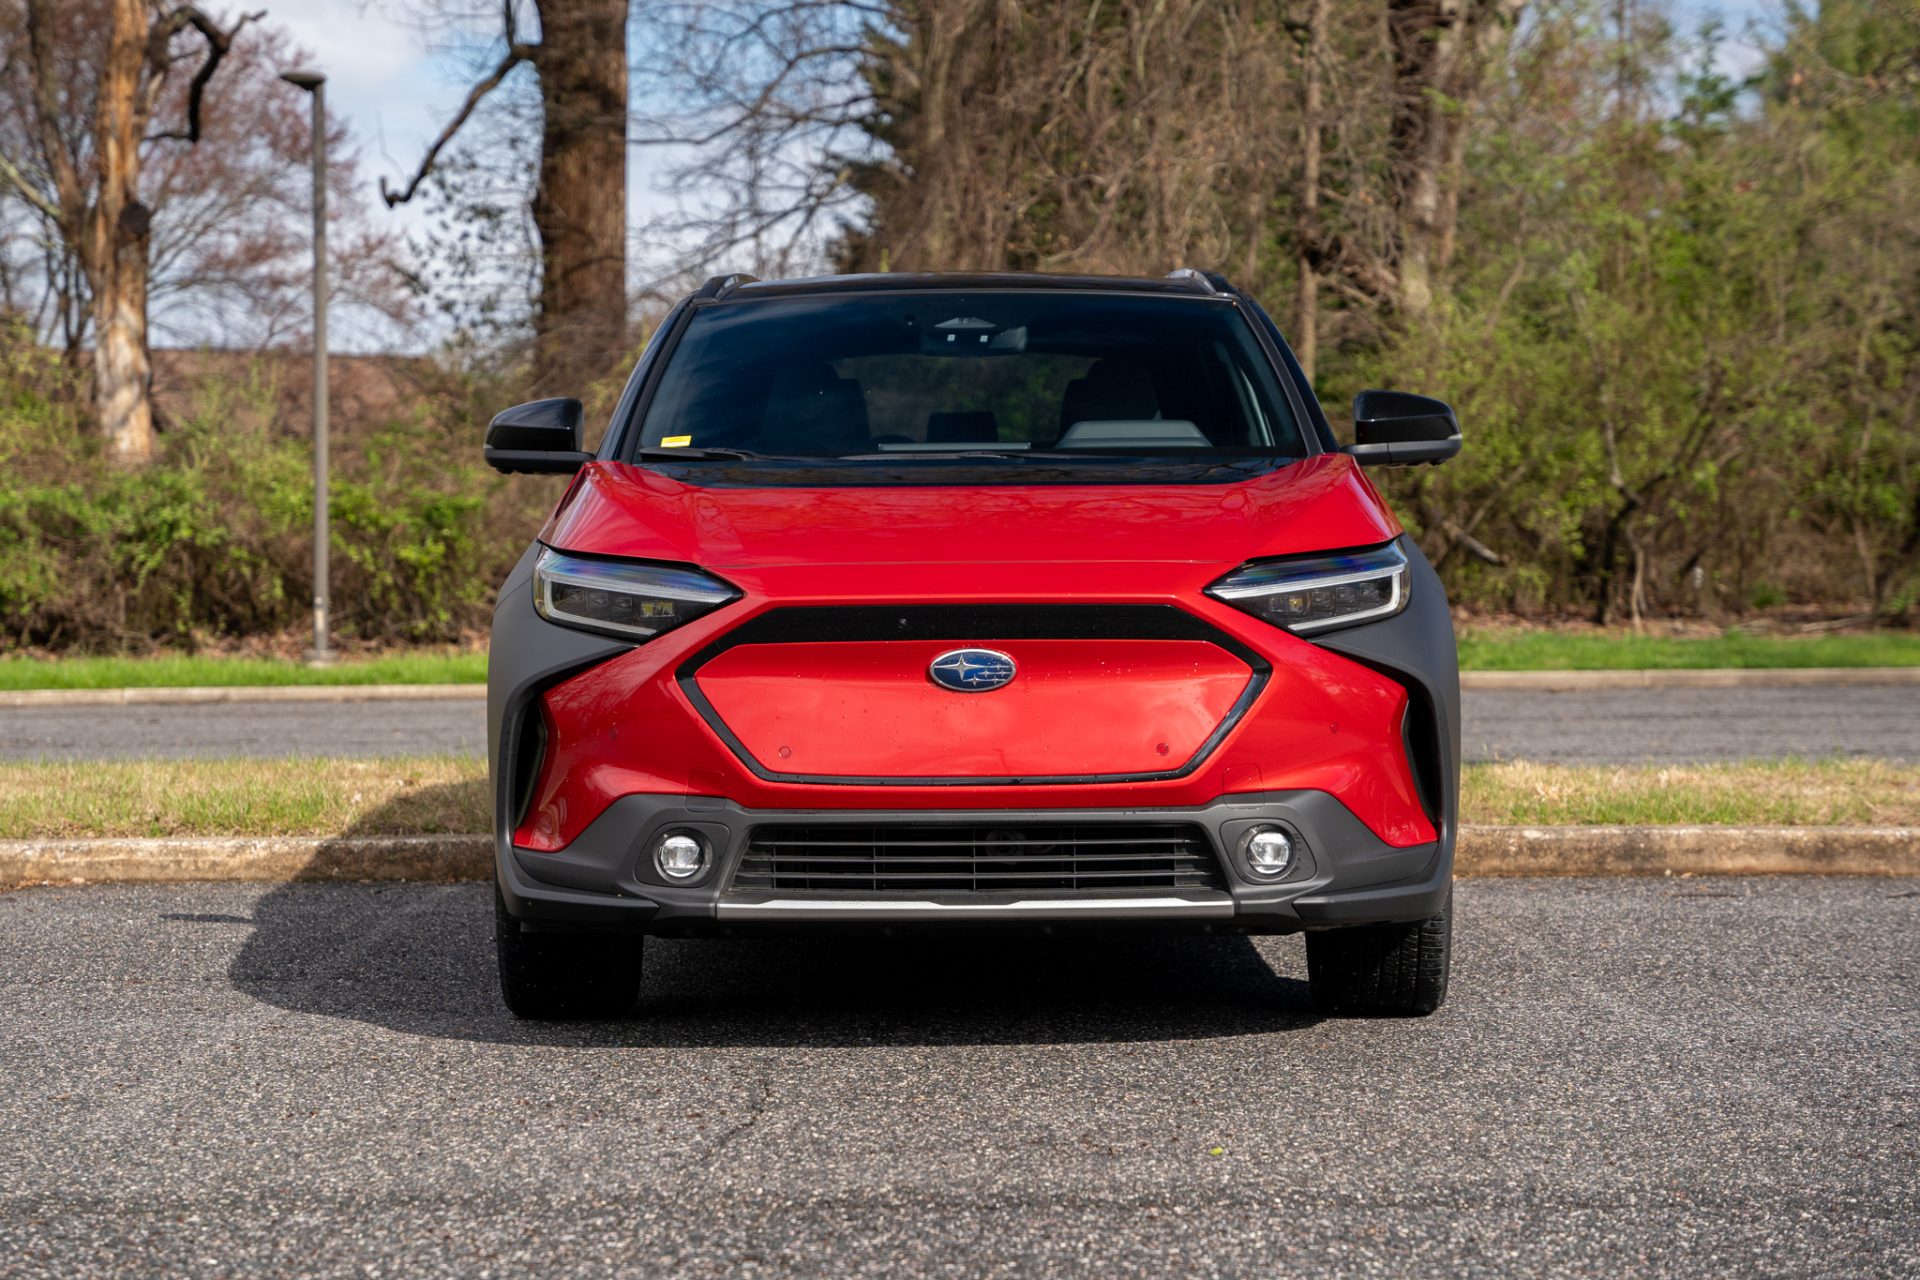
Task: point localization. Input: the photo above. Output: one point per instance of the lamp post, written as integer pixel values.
(321, 654)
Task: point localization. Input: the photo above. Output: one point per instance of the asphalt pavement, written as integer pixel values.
(1631, 726)
(1641, 1077)
(1614, 726)
(244, 729)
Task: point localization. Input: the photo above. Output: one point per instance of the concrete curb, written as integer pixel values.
(1701, 851)
(1697, 678)
(241, 693)
(277, 859)
(1515, 681)
(1484, 851)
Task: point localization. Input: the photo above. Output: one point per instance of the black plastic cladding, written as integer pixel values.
(527, 655)
(1178, 282)
(974, 623)
(606, 876)
(1415, 648)
(529, 753)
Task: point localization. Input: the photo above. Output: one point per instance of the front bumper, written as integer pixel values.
(1347, 874)
(1342, 875)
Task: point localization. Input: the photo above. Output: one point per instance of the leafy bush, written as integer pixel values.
(1683, 347)
(213, 540)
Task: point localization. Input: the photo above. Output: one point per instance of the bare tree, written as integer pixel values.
(580, 201)
(759, 111)
(1119, 136)
(91, 139)
(1094, 134)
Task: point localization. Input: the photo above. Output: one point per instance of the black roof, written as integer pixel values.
(1185, 281)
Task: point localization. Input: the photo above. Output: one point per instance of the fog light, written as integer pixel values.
(1268, 851)
(680, 855)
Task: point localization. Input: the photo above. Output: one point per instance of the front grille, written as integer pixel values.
(1030, 857)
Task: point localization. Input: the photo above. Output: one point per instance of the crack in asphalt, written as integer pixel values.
(756, 1106)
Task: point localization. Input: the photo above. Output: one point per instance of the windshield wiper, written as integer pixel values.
(1162, 454)
(910, 455)
(685, 452)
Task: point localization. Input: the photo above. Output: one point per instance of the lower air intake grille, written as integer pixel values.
(978, 858)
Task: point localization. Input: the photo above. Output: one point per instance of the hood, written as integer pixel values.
(1323, 503)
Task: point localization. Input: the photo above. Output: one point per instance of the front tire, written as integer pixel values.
(565, 975)
(1382, 970)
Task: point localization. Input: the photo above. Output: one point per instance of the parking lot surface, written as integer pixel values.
(1684, 726)
(211, 730)
(1689, 1077)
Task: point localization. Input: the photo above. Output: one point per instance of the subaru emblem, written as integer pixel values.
(971, 670)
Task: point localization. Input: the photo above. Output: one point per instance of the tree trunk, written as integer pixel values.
(114, 249)
(1440, 51)
(580, 208)
(1428, 38)
(122, 368)
(1306, 318)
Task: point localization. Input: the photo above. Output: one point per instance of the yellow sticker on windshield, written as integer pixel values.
(676, 442)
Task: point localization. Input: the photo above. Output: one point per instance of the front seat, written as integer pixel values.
(813, 411)
(956, 427)
(1110, 392)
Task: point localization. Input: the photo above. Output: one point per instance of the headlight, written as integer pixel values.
(1318, 593)
(621, 598)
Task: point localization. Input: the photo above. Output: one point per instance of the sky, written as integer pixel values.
(380, 74)
(384, 78)
(397, 84)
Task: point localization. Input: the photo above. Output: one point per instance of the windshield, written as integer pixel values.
(923, 376)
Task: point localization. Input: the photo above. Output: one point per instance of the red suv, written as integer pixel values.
(946, 601)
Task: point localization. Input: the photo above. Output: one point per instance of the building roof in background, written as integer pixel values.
(274, 388)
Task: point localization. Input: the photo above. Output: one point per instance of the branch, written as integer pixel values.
(46, 110)
(28, 192)
(1476, 548)
(516, 54)
(218, 44)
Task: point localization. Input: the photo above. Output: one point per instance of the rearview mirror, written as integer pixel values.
(1397, 428)
(540, 436)
(971, 336)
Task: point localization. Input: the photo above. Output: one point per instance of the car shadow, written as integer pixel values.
(418, 958)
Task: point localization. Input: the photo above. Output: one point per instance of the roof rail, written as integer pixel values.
(721, 286)
(1203, 281)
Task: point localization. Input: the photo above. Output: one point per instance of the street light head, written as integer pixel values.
(308, 80)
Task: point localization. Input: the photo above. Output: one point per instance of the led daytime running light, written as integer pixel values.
(626, 599)
(1318, 593)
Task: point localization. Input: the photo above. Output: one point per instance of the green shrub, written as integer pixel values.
(213, 539)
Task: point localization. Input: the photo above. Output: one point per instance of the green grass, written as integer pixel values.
(437, 794)
(1788, 793)
(420, 795)
(173, 671)
(1489, 650)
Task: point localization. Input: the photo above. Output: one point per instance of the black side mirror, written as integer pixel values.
(1397, 428)
(541, 436)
